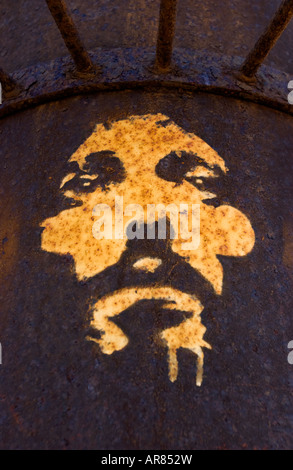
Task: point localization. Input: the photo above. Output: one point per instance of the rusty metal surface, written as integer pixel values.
(97, 350)
(28, 34)
(68, 30)
(8, 84)
(268, 39)
(60, 391)
(166, 31)
(266, 88)
(134, 68)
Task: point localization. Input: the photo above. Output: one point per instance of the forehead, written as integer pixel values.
(144, 140)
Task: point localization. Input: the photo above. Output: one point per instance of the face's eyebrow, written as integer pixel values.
(164, 122)
(94, 160)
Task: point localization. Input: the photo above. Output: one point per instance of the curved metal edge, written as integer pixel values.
(133, 68)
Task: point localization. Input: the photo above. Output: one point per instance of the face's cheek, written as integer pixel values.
(223, 231)
(235, 235)
(71, 232)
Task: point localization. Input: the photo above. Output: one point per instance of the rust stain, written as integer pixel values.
(137, 156)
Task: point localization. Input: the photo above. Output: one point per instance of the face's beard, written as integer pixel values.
(150, 278)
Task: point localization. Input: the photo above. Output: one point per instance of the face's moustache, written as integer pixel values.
(115, 302)
(134, 270)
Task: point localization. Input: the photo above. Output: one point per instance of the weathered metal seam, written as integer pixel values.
(133, 69)
(21, 105)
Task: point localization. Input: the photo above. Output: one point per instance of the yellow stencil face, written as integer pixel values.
(141, 145)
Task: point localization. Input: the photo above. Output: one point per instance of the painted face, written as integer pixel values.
(140, 163)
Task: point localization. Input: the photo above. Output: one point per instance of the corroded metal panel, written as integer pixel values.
(29, 36)
(63, 384)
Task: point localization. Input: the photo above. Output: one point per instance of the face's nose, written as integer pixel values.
(148, 250)
(152, 231)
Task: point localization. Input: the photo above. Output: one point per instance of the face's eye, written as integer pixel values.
(100, 170)
(180, 165)
(210, 181)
